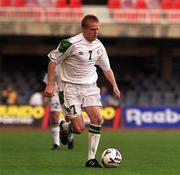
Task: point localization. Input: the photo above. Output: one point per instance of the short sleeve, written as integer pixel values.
(61, 52)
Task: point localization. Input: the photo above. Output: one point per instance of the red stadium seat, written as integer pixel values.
(176, 4)
(19, 3)
(76, 9)
(61, 3)
(114, 4)
(153, 4)
(5, 3)
(64, 13)
(56, 14)
(32, 3)
(75, 3)
(140, 4)
(166, 4)
(127, 4)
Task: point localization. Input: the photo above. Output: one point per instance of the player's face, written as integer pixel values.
(91, 31)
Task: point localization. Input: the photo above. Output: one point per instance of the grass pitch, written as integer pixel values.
(143, 152)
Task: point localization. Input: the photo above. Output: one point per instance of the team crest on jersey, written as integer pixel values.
(81, 53)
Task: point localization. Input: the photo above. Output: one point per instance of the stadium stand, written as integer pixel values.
(138, 11)
(127, 4)
(75, 4)
(76, 8)
(23, 83)
(131, 98)
(169, 98)
(141, 89)
(176, 4)
(5, 3)
(144, 99)
(153, 4)
(166, 4)
(59, 11)
(140, 4)
(144, 90)
(61, 3)
(114, 4)
(111, 4)
(32, 3)
(19, 3)
(33, 10)
(150, 90)
(156, 98)
(178, 100)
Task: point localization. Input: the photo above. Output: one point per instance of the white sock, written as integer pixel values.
(93, 140)
(55, 133)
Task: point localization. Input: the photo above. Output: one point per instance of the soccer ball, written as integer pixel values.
(111, 158)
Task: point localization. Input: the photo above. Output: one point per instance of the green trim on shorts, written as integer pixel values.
(61, 97)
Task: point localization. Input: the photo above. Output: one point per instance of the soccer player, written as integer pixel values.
(77, 57)
(55, 108)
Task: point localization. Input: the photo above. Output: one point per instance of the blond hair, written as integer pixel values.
(88, 19)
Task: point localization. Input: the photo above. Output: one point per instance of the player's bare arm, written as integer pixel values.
(50, 84)
(110, 77)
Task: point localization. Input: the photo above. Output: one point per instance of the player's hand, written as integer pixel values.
(116, 92)
(49, 91)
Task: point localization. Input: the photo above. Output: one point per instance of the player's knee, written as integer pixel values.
(97, 120)
(79, 129)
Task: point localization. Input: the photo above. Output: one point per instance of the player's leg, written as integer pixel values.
(92, 106)
(72, 107)
(55, 110)
(68, 128)
(94, 135)
(76, 125)
(55, 130)
(70, 137)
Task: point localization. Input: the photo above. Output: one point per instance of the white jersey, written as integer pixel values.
(78, 58)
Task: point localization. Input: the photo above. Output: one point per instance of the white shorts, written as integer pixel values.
(78, 96)
(54, 103)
